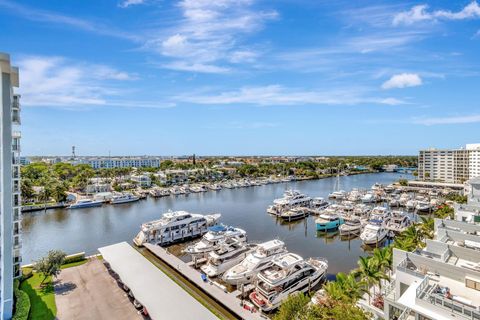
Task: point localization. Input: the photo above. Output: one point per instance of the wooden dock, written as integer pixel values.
(228, 300)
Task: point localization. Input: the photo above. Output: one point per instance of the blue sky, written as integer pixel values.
(214, 77)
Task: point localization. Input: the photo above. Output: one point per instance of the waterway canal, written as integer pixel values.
(87, 229)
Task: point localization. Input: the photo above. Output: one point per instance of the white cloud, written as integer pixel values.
(59, 82)
(392, 101)
(449, 120)
(209, 36)
(281, 96)
(421, 13)
(128, 3)
(402, 80)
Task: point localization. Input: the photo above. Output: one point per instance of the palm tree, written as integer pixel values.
(384, 258)
(370, 273)
(413, 234)
(427, 227)
(404, 243)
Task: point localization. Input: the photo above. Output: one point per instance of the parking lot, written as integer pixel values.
(89, 292)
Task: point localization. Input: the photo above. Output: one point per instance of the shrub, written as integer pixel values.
(22, 303)
(74, 258)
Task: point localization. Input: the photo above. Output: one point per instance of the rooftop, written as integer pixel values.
(162, 297)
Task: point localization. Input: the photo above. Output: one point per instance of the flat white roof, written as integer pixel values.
(162, 297)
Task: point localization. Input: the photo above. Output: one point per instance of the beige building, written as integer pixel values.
(449, 165)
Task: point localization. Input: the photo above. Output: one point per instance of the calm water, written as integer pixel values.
(88, 229)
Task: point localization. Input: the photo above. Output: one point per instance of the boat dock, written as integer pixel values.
(231, 301)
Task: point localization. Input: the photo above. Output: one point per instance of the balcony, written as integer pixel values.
(449, 296)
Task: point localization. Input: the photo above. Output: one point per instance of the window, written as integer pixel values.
(472, 283)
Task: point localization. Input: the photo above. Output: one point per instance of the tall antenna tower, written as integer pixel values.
(73, 152)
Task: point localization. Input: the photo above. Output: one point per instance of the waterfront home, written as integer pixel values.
(441, 281)
(142, 180)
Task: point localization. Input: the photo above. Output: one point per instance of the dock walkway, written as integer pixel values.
(228, 300)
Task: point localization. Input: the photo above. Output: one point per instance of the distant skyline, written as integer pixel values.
(245, 77)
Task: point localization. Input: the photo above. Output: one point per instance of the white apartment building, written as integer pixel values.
(439, 282)
(10, 215)
(449, 166)
(124, 162)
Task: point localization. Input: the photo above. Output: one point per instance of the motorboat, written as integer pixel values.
(369, 197)
(175, 226)
(374, 232)
(215, 187)
(289, 274)
(338, 195)
(214, 237)
(85, 203)
(423, 206)
(258, 260)
(294, 214)
(319, 203)
(228, 254)
(124, 198)
(291, 199)
(398, 222)
(327, 222)
(353, 226)
(354, 195)
(411, 204)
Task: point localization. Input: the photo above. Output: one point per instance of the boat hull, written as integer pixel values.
(330, 225)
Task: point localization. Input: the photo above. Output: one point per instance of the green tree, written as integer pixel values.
(26, 188)
(370, 273)
(427, 227)
(50, 264)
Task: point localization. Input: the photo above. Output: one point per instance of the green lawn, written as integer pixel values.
(42, 299)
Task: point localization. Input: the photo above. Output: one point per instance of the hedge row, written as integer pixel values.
(22, 303)
(74, 258)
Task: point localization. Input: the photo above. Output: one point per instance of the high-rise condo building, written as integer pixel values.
(450, 166)
(10, 215)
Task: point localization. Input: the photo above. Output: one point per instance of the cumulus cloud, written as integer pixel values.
(402, 80)
(210, 35)
(420, 13)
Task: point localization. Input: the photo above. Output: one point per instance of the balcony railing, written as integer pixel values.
(425, 292)
(408, 267)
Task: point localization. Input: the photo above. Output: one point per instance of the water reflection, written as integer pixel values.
(88, 229)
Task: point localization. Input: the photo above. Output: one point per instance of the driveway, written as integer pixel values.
(89, 292)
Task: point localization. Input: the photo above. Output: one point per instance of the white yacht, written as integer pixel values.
(351, 227)
(124, 198)
(374, 232)
(398, 222)
(291, 199)
(215, 187)
(255, 262)
(289, 273)
(319, 203)
(369, 197)
(294, 214)
(214, 237)
(85, 203)
(423, 206)
(175, 226)
(354, 195)
(228, 254)
(338, 195)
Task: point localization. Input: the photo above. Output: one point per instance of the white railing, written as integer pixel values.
(404, 314)
(469, 312)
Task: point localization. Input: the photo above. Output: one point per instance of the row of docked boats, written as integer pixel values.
(117, 198)
(372, 225)
(274, 272)
(184, 189)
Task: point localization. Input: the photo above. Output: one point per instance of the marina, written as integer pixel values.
(91, 228)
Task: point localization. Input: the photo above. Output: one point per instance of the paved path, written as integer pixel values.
(89, 292)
